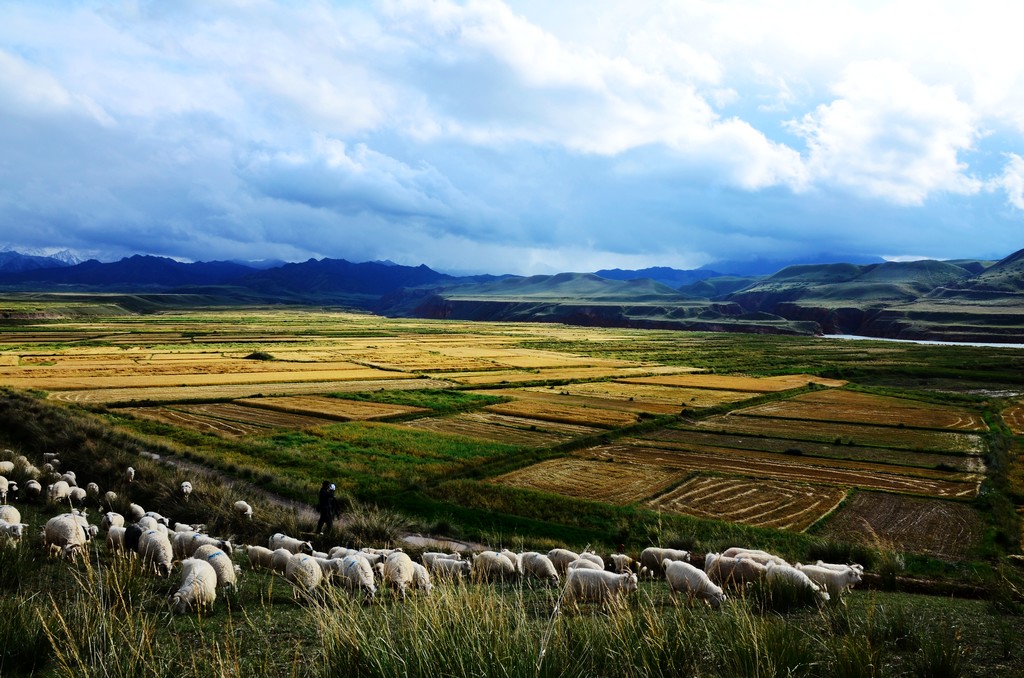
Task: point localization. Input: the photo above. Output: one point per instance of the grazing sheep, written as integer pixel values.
(421, 578)
(32, 489)
(835, 582)
(70, 478)
(380, 552)
(186, 489)
(279, 560)
(135, 512)
(430, 556)
(115, 539)
(186, 543)
(681, 576)
(49, 457)
(398, 572)
(796, 577)
(185, 527)
(260, 557)
(340, 552)
(109, 497)
(620, 563)
(594, 558)
(539, 565)
(157, 517)
(561, 558)
(129, 475)
(492, 566)
(12, 490)
(449, 568)
(149, 523)
(58, 492)
(652, 557)
(93, 490)
(11, 532)
(155, 548)
(227, 571)
(517, 563)
(584, 564)
(198, 588)
(597, 586)
(65, 535)
(77, 496)
(4, 486)
(10, 514)
(839, 567)
(243, 509)
(757, 555)
(111, 519)
(728, 570)
(331, 568)
(280, 540)
(6, 467)
(132, 533)
(303, 571)
(358, 574)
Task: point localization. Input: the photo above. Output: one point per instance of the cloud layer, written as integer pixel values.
(512, 137)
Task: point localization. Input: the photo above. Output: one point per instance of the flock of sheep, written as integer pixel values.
(206, 564)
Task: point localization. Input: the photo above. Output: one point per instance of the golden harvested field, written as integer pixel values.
(332, 408)
(763, 503)
(568, 414)
(195, 422)
(560, 395)
(597, 481)
(670, 399)
(944, 529)
(502, 428)
(697, 440)
(128, 395)
(1014, 418)
(498, 377)
(865, 408)
(252, 415)
(778, 467)
(852, 434)
(738, 383)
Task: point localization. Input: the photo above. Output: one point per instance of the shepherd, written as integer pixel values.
(328, 507)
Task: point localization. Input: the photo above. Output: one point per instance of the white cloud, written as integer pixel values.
(891, 136)
(1011, 181)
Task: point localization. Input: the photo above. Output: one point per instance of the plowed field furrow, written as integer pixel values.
(944, 529)
(614, 483)
(778, 470)
(334, 408)
(699, 439)
(252, 415)
(195, 422)
(1014, 418)
(863, 408)
(801, 460)
(569, 414)
(737, 383)
(558, 396)
(500, 428)
(854, 434)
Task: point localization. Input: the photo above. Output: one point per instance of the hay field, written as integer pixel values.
(1014, 418)
(865, 408)
(762, 503)
(195, 422)
(738, 383)
(669, 399)
(565, 395)
(944, 529)
(502, 428)
(564, 413)
(498, 377)
(332, 408)
(594, 480)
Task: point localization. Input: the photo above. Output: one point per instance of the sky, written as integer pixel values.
(525, 136)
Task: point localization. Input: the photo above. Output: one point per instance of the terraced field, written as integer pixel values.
(669, 398)
(864, 408)
(737, 383)
(195, 422)
(764, 503)
(598, 481)
(502, 428)
(1014, 418)
(332, 408)
(568, 414)
(564, 395)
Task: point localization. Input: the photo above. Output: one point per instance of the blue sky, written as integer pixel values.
(513, 137)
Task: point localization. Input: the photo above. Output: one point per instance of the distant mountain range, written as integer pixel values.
(970, 300)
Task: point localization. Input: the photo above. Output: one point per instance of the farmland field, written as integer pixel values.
(195, 421)
(1014, 418)
(864, 408)
(332, 408)
(575, 477)
(671, 398)
(568, 414)
(944, 529)
(737, 383)
(570, 394)
(503, 428)
(786, 506)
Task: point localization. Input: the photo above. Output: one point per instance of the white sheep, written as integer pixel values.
(135, 512)
(835, 582)
(594, 558)
(681, 576)
(279, 560)
(652, 557)
(340, 552)
(115, 539)
(186, 543)
(260, 557)
(622, 563)
(70, 478)
(109, 497)
(158, 518)
(448, 568)
(358, 574)
(839, 567)
(4, 486)
(198, 588)
(597, 586)
(58, 492)
(129, 475)
(279, 540)
(243, 509)
(398, 572)
(421, 578)
(10, 514)
(77, 496)
(380, 552)
(303, 571)
(65, 535)
(6, 467)
(33, 489)
(93, 490)
(539, 565)
(185, 489)
(561, 558)
(583, 564)
(430, 556)
(776, 572)
(757, 555)
(492, 566)
(155, 548)
(729, 570)
(227, 571)
(49, 457)
(517, 563)
(111, 519)
(11, 532)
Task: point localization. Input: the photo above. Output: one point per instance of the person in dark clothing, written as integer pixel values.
(328, 507)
